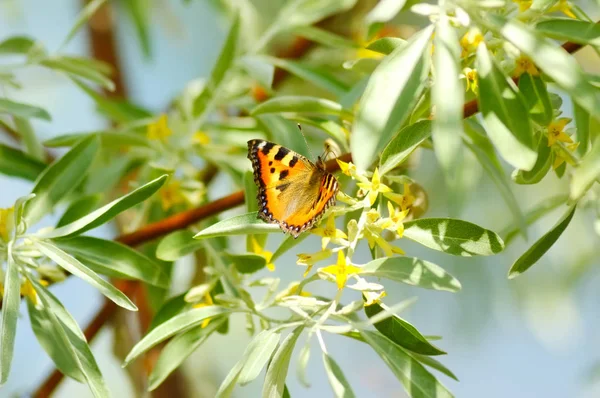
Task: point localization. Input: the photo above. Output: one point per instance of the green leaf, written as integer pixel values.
(388, 99)
(79, 208)
(77, 343)
(16, 163)
(504, 113)
(417, 381)
(456, 237)
(386, 45)
(587, 172)
(548, 56)
(72, 67)
(402, 332)
(54, 341)
(284, 132)
(541, 167)
(324, 37)
(278, 368)
(139, 13)
(177, 244)
(306, 12)
(536, 98)
(258, 69)
(106, 212)
(32, 144)
(384, 11)
(434, 364)
(247, 263)
(75, 267)
(541, 246)
(239, 225)
(178, 323)
(568, 29)
(331, 128)
(178, 349)
(287, 244)
(312, 74)
(583, 123)
(298, 104)
(447, 95)
(23, 110)
(109, 139)
(83, 17)
(16, 45)
(115, 259)
(224, 63)
(257, 355)
(412, 271)
(337, 380)
(60, 178)
(10, 313)
(403, 145)
(170, 308)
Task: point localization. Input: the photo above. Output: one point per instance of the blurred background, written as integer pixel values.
(534, 336)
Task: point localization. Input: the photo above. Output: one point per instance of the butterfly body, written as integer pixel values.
(292, 191)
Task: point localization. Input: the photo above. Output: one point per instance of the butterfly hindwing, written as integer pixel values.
(293, 192)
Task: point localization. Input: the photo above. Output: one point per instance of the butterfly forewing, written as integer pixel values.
(293, 192)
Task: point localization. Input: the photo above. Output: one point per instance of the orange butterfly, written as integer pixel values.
(292, 191)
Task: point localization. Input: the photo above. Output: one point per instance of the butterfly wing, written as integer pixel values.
(293, 192)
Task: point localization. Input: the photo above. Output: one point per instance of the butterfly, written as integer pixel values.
(292, 191)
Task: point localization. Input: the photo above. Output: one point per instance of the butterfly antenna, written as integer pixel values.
(306, 142)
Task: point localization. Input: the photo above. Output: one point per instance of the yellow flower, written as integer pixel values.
(341, 270)
(524, 5)
(373, 235)
(330, 234)
(291, 290)
(374, 297)
(556, 131)
(405, 201)
(200, 137)
(171, 195)
(563, 6)
(208, 301)
(6, 223)
(395, 220)
(267, 255)
(471, 79)
(375, 187)
(525, 65)
(309, 259)
(350, 170)
(363, 52)
(376, 225)
(159, 130)
(28, 291)
(470, 41)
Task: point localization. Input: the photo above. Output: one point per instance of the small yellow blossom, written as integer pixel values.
(291, 290)
(375, 187)
(159, 130)
(363, 51)
(171, 195)
(525, 65)
(374, 297)
(350, 170)
(563, 6)
(330, 234)
(470, 41)
(28, 291)
(524, 5)
(471, 79)
(373, 235)
(267, 255)
(6, 223)
(200, 137)
(556, 131)
(208, 301)
(405, 201)
(341, 270)
(394, 222)
(309, 259)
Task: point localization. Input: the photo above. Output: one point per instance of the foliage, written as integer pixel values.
(379, 97)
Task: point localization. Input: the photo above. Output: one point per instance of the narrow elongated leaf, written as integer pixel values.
(106, 212)
(32, 144)
(307, 12)
(402, 332)
(324, 37)
(384, 11)
(403, 144)
(257, 355)
(447, 95)
(412, 271)
(78, 69)
(298, 104)
(54, 341)
(389, 97)
(177, 244)
(170, 308)
(227, 386)
(107, 138)
(417, 381)
(568, 29)
(434, 364)
(224, 63)
(79, 208)
(539, 248)
(548, 56)
(174, 325)
(178, 349)
(286, 245)
(139, 11)
(536, 98)
(504, 113)
(16, 163)
(60, 178)
(120, 260)
(247, 263)
(16, 45)
(239, 225)
(10, 313)
(337, 380)
(541, 167)
(278, 368)
(386, 45)
(583, 123)
(84, 16)
(75, 267)
(23, 110)
(456, 237)
(587, 172)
